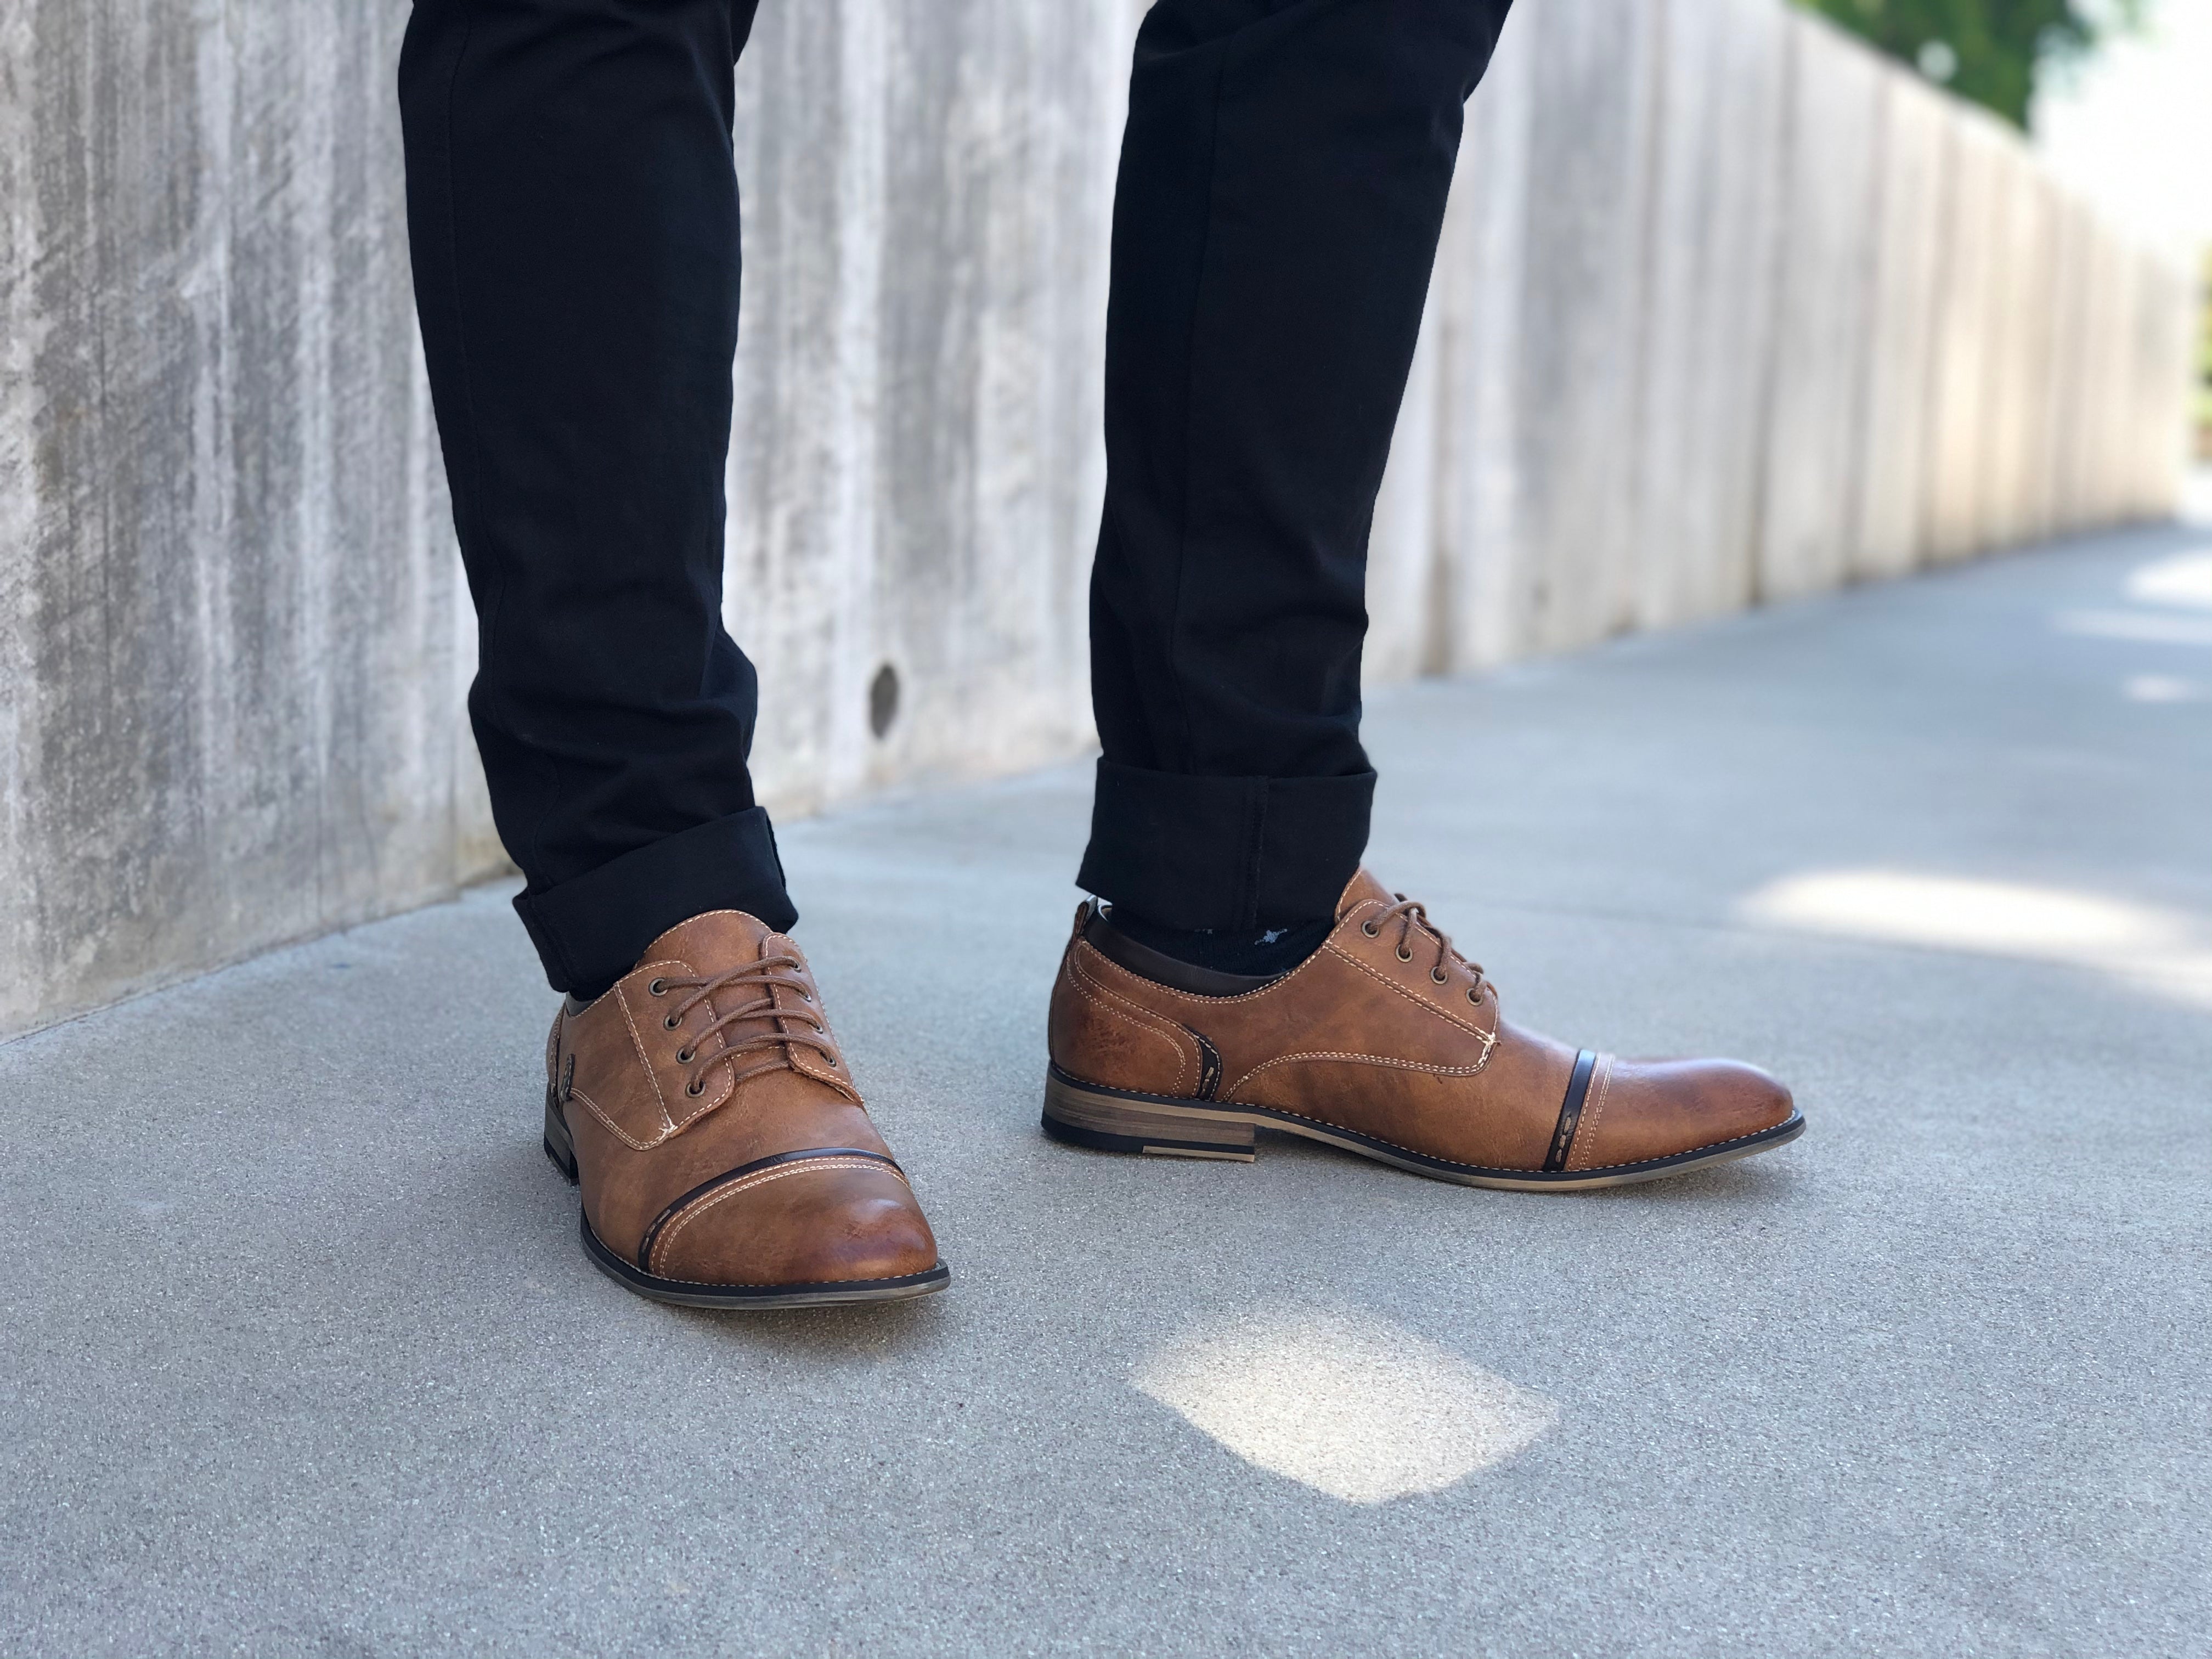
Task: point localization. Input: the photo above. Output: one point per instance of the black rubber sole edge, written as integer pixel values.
(686, 1294)
(1351, 1141)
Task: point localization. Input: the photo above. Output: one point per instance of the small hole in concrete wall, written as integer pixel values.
(883, 699)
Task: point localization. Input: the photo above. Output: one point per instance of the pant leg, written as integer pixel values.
(1282, 187)
(573, 210)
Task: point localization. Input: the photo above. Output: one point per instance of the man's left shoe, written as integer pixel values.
(726, 1160)
(1385, 1042)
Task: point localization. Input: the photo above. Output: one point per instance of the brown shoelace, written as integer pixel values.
(767, 972)
(1409, 915)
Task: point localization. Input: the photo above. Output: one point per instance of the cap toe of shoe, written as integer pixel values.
(837, 1226)
(1729, 1098)
(1663, 1108)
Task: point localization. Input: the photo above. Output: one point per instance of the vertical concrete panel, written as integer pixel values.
(2136, 397)
(990, 385)
(1953, 509)
(1486, 572)
(2036, 509)
(2099, 437)
(476, 849)
(1402, 552)
(23, 328)
(2160, 397)
(2065, 323)
(1815, 414)
(230, 708)
(1900, 339)
(127, 221)
(1713, 271)
(2017, 365)
(799, 592)
(1582, 311)
(2120, 430)
(917, 467)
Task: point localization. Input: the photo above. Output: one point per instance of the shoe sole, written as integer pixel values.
(686, 1293)
(1120, 1121)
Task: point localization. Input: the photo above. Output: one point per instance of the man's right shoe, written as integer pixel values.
(726, 1158)
(1386, 1042)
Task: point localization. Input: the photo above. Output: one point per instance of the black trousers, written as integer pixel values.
(573, 213)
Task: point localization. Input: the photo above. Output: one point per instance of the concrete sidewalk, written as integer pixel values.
(300, 1353)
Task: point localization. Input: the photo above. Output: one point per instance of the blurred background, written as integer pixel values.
(1738, 301)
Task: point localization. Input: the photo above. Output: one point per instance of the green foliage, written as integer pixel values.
(1991, 48)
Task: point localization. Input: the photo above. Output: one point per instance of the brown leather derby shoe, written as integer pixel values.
(726, 1158)
(1385, 1042)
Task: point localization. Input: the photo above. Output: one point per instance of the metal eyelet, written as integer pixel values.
(1474, 996)
(1438, 974)
(1371, 930)
(670, 1023)
(1405, 955)
(833, 1062)
(658, 988)
(698, 1087)
(685, 1056)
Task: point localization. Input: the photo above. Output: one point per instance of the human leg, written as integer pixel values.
(573, 212)
(1282, 186)
(573, 209)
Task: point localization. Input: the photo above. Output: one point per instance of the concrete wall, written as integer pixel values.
(916, 468)
(1725, 310)
(230, 635)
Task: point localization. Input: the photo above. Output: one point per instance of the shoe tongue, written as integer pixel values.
(712, 943)
(1360, 889)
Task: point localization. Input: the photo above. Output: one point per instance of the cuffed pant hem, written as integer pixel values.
(593, 929)
(1224, 853)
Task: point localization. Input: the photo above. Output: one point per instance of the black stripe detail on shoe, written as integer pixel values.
(1209, 1065)
(1571, 1111)
(652, 1233)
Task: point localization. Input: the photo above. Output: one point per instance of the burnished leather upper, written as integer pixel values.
(660, 1106)
(1387, 1031)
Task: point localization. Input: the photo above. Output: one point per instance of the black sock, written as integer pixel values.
(1260, 952)
(589, 994)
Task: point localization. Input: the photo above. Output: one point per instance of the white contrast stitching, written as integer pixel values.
(1138, 1015)
(612, 1127)
(667, 1118)
(1604, 1085)
(804, 1166)
(1444, 1014)
(1364, 1059)
(804, 1060)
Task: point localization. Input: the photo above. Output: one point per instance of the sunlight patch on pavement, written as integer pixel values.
(2164, 950)
(2149, 627)
(2163, 687)
(1351, 1406)
(2184, 579)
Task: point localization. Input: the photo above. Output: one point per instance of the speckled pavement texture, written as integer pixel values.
(299, 1353)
